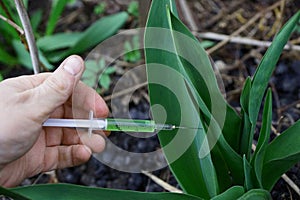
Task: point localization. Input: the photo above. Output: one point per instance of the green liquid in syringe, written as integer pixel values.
(128, 125)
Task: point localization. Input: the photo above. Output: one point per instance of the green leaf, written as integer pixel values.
(207, 44)
(267, 65)
(104, 81)
(224, 177)
(22, 54)
(110, 70)
(99, 31)
(36, 19)
(198, 67)
(58, 41)
(211, 102)
(56, 10)
(45, 61)
(195, 87)
(7, 30)
(6, 58)
(100, 8)
(256, 194)
(92, 68)
(232, 193)
(11, 194)
(10, 8)
(263, 140)
(248, 174)
(73, 192)
(133, 8)
(281, 154)
(176, 102)
(245, 95)
(246, 138)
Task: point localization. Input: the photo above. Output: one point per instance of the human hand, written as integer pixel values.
(27, 148)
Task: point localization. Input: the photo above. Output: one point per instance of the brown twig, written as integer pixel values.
(241, 40)
(291, 183)
(123, 92)
(244, 27)
(13, 24)
(283, 108)
(162, 183)
(187, 15)
(29, 35)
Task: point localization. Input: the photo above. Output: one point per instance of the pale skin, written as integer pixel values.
(26, 148)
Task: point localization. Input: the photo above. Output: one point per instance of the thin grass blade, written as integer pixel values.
(56, 10)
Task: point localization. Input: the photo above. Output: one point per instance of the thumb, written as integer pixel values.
(58, 87)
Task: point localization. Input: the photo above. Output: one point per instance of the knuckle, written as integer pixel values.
(58, 86)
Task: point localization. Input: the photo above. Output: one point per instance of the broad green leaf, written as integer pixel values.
(99, 31)
(162, 71)
(256, 194)
(58, 41)
(267, 65)
(197, 65)
(96, 33)
(73, 192)
(232, 193)
(11, 194)
(178, 51)
(263, 140)
(56, 10)
(281, 154)
(211, 103)
(224, 177)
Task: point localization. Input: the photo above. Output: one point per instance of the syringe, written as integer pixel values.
(109, 124)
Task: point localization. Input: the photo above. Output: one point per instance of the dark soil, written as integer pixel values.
(240, 61)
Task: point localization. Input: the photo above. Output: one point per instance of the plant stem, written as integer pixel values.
(14, 25)
(29, 35)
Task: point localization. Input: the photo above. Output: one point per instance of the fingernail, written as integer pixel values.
(73, 65)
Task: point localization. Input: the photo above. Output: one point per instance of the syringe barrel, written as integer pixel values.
(130, 125)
